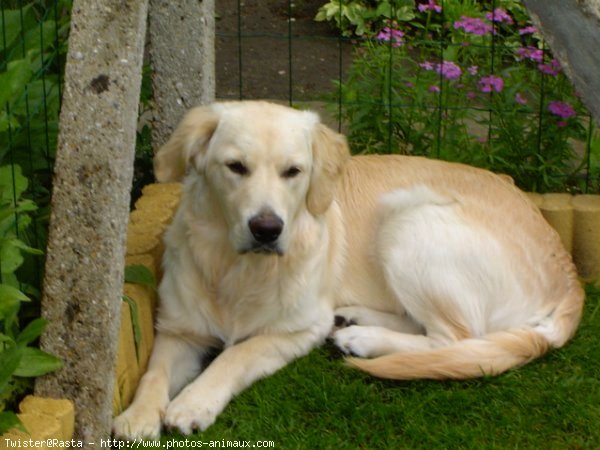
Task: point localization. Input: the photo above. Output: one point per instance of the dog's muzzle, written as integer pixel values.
(266, 227)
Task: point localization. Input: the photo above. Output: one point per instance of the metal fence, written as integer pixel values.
(465, 81)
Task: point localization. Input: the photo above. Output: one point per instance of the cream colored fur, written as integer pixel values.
(440, 270)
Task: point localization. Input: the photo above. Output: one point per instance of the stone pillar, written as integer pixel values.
(572, 28)
(182, 53)
(83, 284)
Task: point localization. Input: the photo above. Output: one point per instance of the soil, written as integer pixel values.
(273, 57)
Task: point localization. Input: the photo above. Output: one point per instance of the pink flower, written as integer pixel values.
(434, 88)
(471, 95)
(561, 109)
(528, 30)
(473, 25)
(520, 99)
(449, 70)
(473, 70)
(553, 68)
(389, 34)
(431, 5)
(529, 52)
(491, 83)
(499, 15)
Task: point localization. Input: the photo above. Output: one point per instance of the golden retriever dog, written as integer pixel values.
(431, 269)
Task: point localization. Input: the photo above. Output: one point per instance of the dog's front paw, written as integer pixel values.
(137, 423)
(188, 413)
(356, 341)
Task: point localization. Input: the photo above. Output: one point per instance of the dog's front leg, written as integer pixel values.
(199, 404)
(173, 363)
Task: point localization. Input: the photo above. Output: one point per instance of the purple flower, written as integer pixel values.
(473, 70)
(529, 52)
(520, 99)
(499, 15)
(561, 109)
(528, 30)
(491, 83)
(471, 95)
(473, 25)
(449, 70)
(427, 65)
(553, 68)
(388, 34)
(434, 88)
(431, 5)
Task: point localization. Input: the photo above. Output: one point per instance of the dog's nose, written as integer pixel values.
(265, 227)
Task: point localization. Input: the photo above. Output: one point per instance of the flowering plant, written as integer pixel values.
(467, 84)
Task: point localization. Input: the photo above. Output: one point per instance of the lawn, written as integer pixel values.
(317, 402)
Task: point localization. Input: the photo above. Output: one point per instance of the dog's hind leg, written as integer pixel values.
(435, 271)
(363, 316)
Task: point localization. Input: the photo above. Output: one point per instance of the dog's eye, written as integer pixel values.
(291, 172)
(237, 167)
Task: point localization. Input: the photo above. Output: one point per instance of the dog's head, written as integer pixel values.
(263, 164)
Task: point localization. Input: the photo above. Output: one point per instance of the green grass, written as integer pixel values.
(317, 402)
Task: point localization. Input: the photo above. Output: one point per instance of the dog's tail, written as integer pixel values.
(491, 354)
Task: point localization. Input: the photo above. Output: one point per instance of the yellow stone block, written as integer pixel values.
(61, 409)
(586, 236)
(154, 229)
(162, 200)
(41, 429)
(536, 199)
(127, 372)
(162, 188)
(557, 209)
(158, 215)
(139, 244)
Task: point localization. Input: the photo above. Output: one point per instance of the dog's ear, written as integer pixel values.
(188, 141)
(330, 153)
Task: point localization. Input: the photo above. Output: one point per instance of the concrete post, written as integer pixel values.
(90, 204)
(182, 52)
(572, 28)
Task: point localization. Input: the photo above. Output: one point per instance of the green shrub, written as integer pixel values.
(33, 39)
(473, 86)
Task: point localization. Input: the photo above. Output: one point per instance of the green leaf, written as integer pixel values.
(40, 37)
(32, 331)
(140, 274)
(135, 322)
(10, 255)
(10, 25)
(25, 248)
(35, 362)
(9, 420)
(12, 181)
(9, 298)
(14, 80)
(9, 361)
